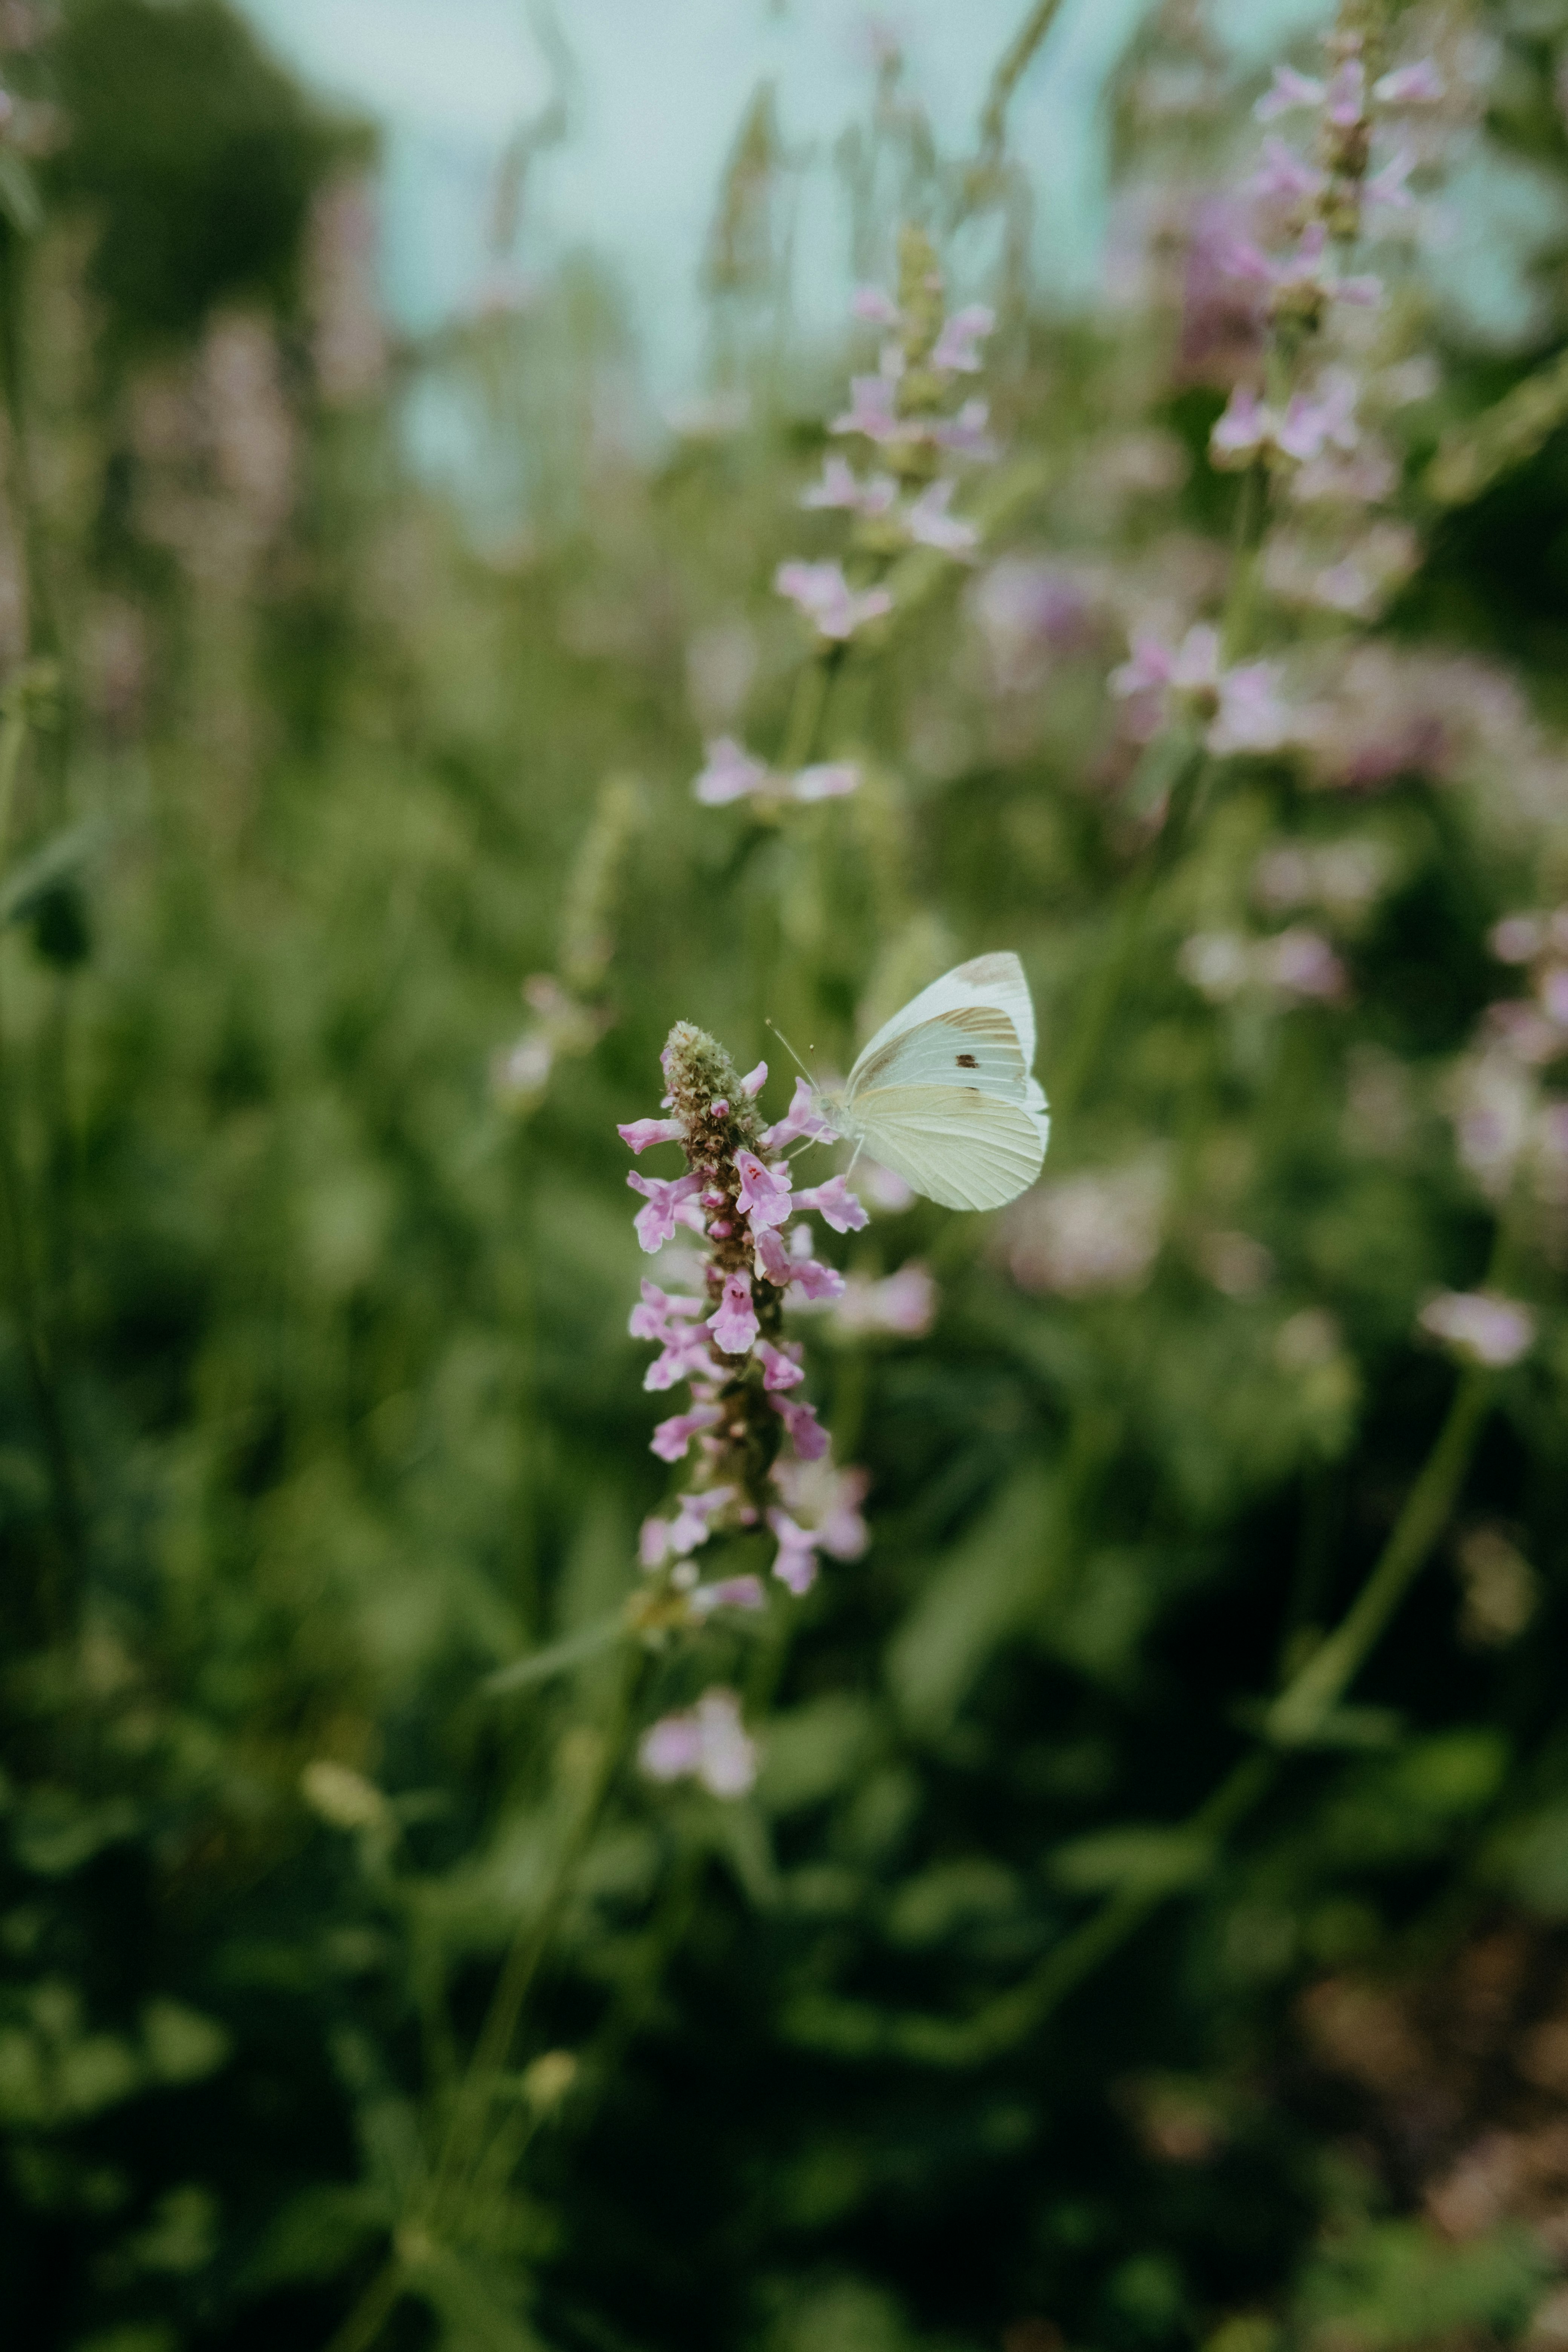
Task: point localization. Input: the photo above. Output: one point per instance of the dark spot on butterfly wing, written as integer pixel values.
(967, 1062)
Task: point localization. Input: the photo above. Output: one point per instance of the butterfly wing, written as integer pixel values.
(958, 1144)
(991, 980)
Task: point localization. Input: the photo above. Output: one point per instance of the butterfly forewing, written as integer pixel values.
(964, 1045)
(993, 981)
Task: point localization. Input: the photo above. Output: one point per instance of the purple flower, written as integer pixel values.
(730, 1593)
(730, 775)
(666, 1198)
(825, 597)
(870, 302)
(641, 1134)
(829, 780)
(707, 1744)
(929, 522)
(763, 1197)
(955, 347)
(733, 1322)
(672, 1438)
(1284, 176)
(803, 1118)
(780, 1371)
(1288, 90)
(841, 489)
(773, 1260)
(806, 1433)
(1481, 1326)
(837, 1203)
(795, 1564)
(1518, 939)
(1419, 84)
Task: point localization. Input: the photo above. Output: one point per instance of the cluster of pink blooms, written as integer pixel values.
(728, 1345)
(905, 412)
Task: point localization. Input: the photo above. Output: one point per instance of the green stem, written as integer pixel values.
(371, 2313)
(807, 706)
(1010, 69)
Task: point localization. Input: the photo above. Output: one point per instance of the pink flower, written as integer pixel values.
(837, 1203)
(1481, 1326)
(829, 780)
(965, 435)
(827, 599)
(730, 1593)
(1289, 89)
(955, 347)
(1243, 432)
(1419, 84)
(1239, 706)
(685, 1357)
(1345, 98)
(1301, 962)
(802, 1119)
(1251, 716)
(1283, 175)
(795, 1564)
(656, 1225)
(903, 1305)
(1304, 277)
(763, 1197)
(871, 411)
(672, 1438)
(733, 1322)
(1317, 420)
(841, 489)
(689, 1527)
(870, 302)
(708, 1744)
(730, 775)
(641, 1134)
(773, 1260)
(929, 522)
(1388, 186)
(812, 1280)
(754, 1082)
(659, 1312)
(826, 1506)
(806, 1433)
(780, 1371)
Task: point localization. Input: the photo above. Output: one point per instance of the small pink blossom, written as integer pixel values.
(929, 522)
(871, 303)
(966, 435)
(957, 345)
(1245, 429)
(1306, 275)
(825, 597)
(842, 489)
(872, 410)
(824, 1504)
(829, 780)
(1518, 939)
(1240, 707)
(690, 1526)
(1301, 962)
(1418, 84)
(795, 1564)
(1481, 1326)
(780, 1371)
(803, 1120)
(835, 1202)
(731, 774)
(659, 1312)
(754, 1082)
(684, 1357)
(806, 1433)
(1283, 175)
(733, 1322)
(1388, 186)
(1323, 418)
(666, 1197)
(773, 1260)
(1288, 90)
(730, 1593)
(763, 1197)
(707, 1744)
(642, 1134)
(672, 1438)
(903, 1305)
(1345, 98)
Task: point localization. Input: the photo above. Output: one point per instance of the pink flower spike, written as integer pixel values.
(754, 1082)
(1290, 90)
(794, 1564)
(730, 775)
(642, 1134)
(929, 524)
(656, 1225)
(955, 347)
(1481, 1326)
(835, 1202)
(1420, 84)
(803, 1120)
(733, 1322)
(730, 1593)
(672, 1438)
(830, 779)
(780, 1371)
(806, 1433)
(827, 599)
(763, 1197)
(870, 302)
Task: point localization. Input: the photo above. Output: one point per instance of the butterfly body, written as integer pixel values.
(943, 1094)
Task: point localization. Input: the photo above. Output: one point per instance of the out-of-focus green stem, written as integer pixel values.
(808, 704)
(1010, 69)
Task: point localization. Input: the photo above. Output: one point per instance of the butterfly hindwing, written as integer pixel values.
(963, 1148)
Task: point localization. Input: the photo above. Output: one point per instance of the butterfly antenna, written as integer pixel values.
(789, 1049)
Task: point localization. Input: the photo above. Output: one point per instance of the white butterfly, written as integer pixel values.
(942, 1093)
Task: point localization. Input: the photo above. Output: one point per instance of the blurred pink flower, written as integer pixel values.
(929, 522)
(903, 1305)
(871, 303)
(1418, 84)
(672, 1438)
(708, 1744)
(829, 780)
(806, 1433)
(1288, 90)
(730, 1593)
(730, 775)
(825, 597)
(780, 1370)
(956, 346)
(841, 488)
(1481, 1326)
